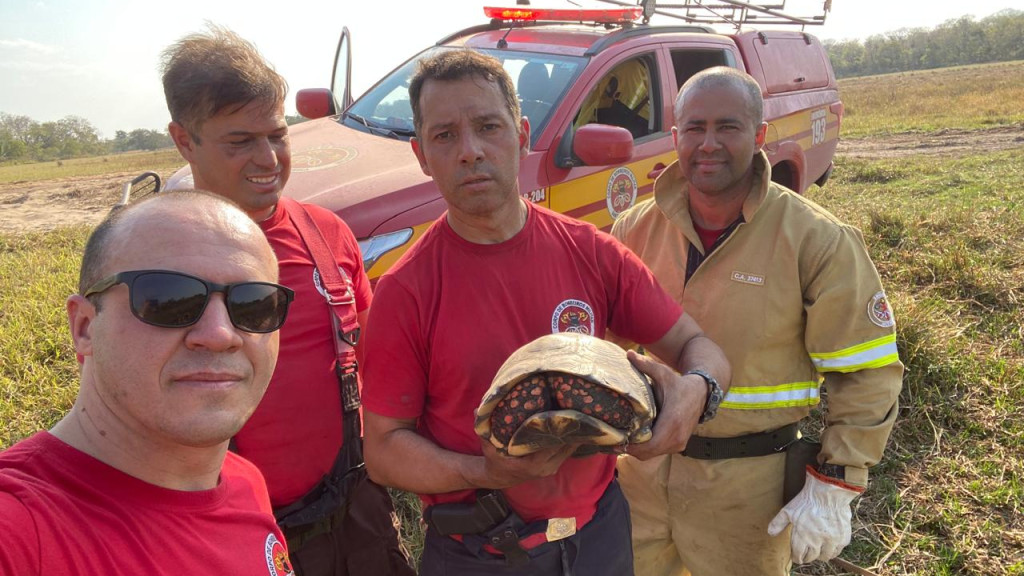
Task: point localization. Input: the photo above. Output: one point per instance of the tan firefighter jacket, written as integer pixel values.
(793, 299)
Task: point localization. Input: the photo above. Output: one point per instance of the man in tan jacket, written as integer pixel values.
(792, 297)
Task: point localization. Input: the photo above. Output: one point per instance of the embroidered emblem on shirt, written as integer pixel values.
(879, 311)
(278, 563)
(620, 193)
(573, 316)
(747, 278)
(559, 528)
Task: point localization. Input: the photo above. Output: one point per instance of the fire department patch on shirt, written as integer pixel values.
(573, 316)
(879, 311)
(278, 563)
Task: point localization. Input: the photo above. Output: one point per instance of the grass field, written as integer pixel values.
(948, 238)
(979, 96)
(162, 161)
(947, 234)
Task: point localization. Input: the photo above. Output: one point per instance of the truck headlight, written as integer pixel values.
(376, 246)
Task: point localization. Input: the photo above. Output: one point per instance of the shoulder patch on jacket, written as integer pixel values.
(879, 311)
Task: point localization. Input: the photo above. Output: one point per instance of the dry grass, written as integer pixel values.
(38, 373)
(163, 161)
(947, 235)
(979, 96)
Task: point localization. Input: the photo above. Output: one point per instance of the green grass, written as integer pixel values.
(161, 161)
(38, 372)
(964, 97)
(947, 235)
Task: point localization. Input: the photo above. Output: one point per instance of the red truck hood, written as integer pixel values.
(340, 168)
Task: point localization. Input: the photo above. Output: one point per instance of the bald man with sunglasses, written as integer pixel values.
(178, 336)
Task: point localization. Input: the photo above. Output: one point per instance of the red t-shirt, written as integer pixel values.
(295, 433)
(450, 312)
(708, 237)
(63, 512)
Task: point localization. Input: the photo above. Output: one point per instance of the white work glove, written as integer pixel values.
(820, 515)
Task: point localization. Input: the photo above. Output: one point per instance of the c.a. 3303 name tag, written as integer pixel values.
(748, 278)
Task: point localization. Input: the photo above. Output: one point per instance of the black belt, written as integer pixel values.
(757, 444)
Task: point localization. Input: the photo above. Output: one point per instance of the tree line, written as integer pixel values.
(23, 139)
(996, 38)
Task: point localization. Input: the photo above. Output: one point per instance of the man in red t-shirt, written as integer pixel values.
(178, 339)
(228, 122)
(490, 275)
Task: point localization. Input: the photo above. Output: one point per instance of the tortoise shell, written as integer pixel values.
(562, 389)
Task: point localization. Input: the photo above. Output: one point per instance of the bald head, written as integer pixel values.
(162, 222)
(723, 77)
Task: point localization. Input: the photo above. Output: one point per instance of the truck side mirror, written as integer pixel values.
(602, 145)
(315, 103)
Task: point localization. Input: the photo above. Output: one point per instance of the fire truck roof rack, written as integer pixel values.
(731, 12)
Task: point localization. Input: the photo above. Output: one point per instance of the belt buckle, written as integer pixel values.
(559, 528)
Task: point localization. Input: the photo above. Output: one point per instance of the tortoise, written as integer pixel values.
(566, 388)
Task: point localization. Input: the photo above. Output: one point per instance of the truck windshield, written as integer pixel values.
(541, 81)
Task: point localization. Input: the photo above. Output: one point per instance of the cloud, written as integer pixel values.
(60, 67)
(29, 46)
(20, 56)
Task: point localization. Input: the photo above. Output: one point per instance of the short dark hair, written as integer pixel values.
(96, 253)
(451, 65)
(725, 76)
(206, 73)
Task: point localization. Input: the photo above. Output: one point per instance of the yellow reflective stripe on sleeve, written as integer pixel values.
(766, 397)
(872, 354)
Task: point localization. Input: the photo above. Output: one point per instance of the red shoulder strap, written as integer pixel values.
(338, 291)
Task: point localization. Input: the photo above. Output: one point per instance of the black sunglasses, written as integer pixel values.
(175, 300)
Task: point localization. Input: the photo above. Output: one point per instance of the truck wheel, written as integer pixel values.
(783, 174)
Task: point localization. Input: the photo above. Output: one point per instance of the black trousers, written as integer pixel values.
(601, 548)
(360, 539)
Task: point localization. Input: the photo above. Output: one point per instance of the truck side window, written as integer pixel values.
(623, 98)
(688, 62)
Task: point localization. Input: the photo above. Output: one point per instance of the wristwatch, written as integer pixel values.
(715, 395)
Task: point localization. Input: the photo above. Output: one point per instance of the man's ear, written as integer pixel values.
(182, 140)
(417, 149)
(524, 137)
(675, 137)
(81, 312)
(759, 136)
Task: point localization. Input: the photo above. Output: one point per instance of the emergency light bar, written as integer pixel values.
(598, 16)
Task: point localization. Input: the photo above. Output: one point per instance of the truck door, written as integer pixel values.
(341, 78)
(626, 91)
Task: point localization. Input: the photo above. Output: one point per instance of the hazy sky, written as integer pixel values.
(98, 59)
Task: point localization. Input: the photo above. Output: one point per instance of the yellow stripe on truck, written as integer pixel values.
(586, 198)
(799, 127)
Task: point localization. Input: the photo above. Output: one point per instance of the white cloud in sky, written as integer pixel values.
(28, 45)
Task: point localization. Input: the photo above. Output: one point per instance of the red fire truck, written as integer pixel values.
(597, 87)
